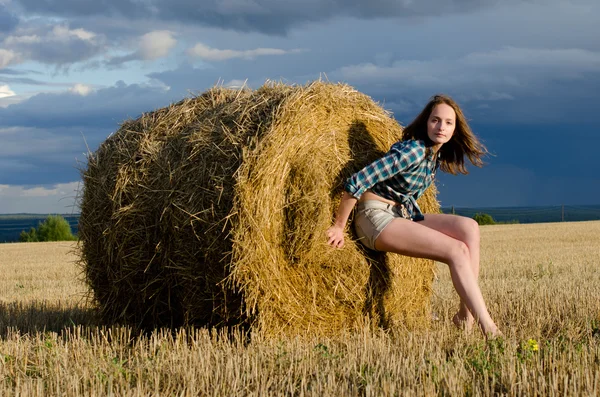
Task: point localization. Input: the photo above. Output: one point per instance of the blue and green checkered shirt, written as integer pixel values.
(401, 175)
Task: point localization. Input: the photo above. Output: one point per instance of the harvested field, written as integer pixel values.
(541, 281)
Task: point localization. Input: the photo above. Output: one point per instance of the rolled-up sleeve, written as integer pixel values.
(400, 156)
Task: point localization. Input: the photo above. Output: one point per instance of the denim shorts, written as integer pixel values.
(372, 216)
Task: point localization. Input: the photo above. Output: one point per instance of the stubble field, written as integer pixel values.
(541, 283)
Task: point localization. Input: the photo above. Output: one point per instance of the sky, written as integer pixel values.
(525, 72)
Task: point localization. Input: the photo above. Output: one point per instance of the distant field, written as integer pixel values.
(541, 283)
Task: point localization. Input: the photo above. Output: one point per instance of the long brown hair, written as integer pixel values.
(463, 142)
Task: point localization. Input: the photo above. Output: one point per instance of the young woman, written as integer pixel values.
(388, 218)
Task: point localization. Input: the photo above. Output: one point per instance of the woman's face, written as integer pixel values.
(441, 124)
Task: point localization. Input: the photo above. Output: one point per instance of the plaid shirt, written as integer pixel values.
(402, 175)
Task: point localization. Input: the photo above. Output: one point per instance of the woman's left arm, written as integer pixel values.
(335, 234)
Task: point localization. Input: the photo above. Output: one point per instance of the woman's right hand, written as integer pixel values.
(335, 236)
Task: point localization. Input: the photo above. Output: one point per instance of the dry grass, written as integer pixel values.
(542, 283)
(32, 272)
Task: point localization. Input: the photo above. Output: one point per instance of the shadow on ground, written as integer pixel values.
(34, 317)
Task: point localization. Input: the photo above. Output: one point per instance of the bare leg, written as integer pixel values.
(466, 230)
(422, 240)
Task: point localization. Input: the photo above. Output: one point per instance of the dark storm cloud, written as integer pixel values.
(531, 164)
(44, 137)
(523, 85)
(505, 86)
(32, 156)
(23, 80)
(267, 16)
(105, 108)
(17, 72)
(8, 21)
(7, 76)
(4, 73)
(85, 7)
(507, 185)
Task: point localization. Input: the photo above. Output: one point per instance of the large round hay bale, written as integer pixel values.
(213, 211)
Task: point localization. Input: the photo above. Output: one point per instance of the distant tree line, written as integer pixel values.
(53, 228)
(486, 219)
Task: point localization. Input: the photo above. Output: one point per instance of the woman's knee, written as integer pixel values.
(469, 229)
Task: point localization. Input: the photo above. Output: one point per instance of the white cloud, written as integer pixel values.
(59, 33)
(156, 44)
(81, 89)
(149, 47)
(5, 91)
(58, 198)
(11, 100)
(213, 54)
(236, 83)
(60, 189)
(7, 57)
(62, 32)
(52, 44)
(24, 39)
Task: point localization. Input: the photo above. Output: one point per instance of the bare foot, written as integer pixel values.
(493, 335)
(464, 323)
